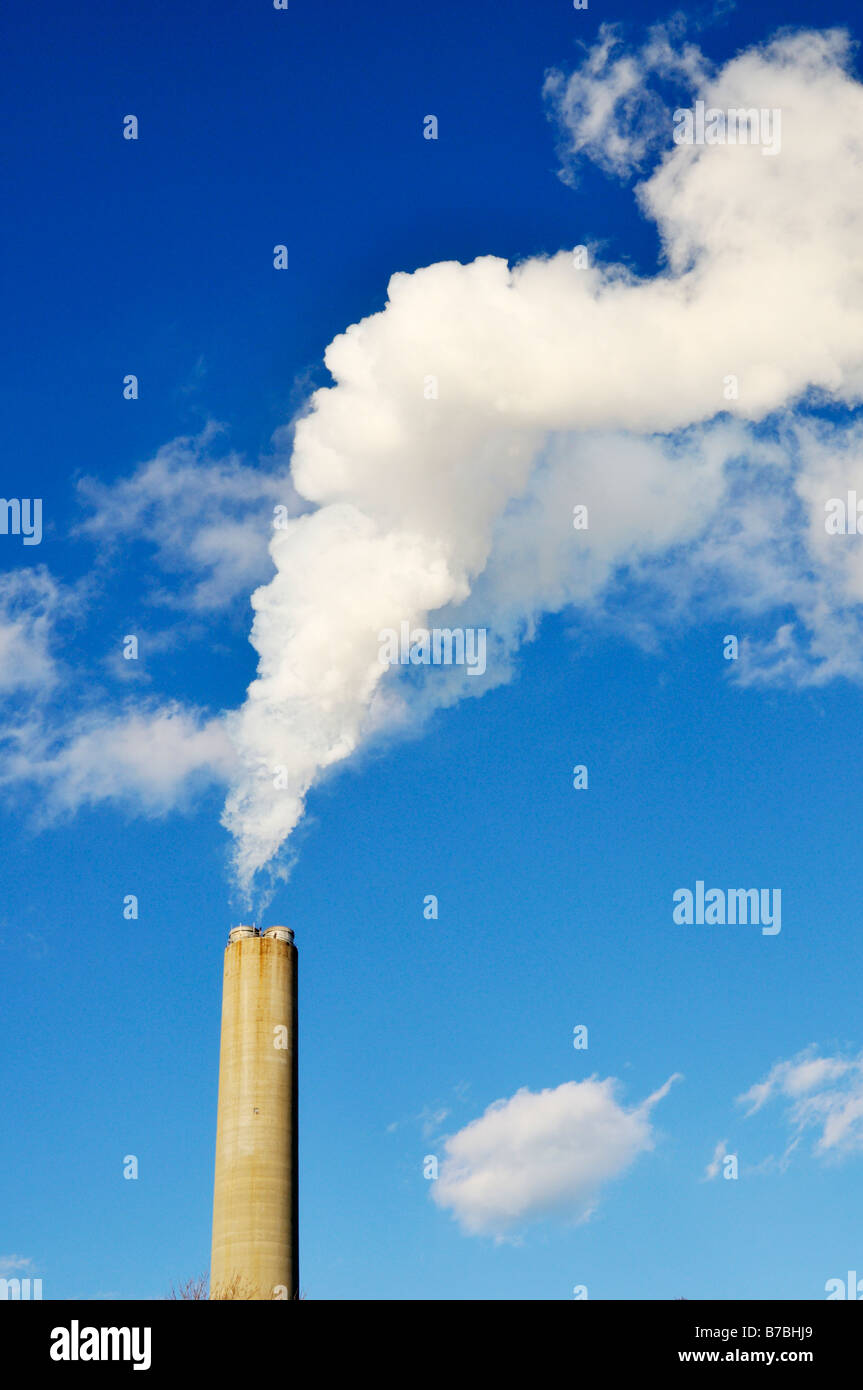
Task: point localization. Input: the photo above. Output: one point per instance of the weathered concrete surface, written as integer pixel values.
(255, 1252)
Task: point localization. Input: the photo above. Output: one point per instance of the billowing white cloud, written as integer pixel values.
(485, 401)
(542, 1154)
(826, 1095)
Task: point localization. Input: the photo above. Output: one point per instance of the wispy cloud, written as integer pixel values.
(149, 758)
(825, 1095)
(715, 1164)
(206, 519)
(609, 110)
(32, 605)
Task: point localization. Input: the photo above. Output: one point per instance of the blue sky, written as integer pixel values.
(154, 257)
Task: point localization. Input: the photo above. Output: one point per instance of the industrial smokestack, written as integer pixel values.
(255, 1206)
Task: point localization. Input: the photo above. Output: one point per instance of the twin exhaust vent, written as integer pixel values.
(276, 933)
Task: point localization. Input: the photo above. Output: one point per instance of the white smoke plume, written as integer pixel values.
(553, 386)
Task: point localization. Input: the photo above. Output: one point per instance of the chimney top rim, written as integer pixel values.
(241, 933)
(280, 933)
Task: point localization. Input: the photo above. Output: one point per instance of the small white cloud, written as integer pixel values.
(14, 1264)
(542, 1154)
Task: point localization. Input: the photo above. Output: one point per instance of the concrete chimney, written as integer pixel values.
(255, 1208)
